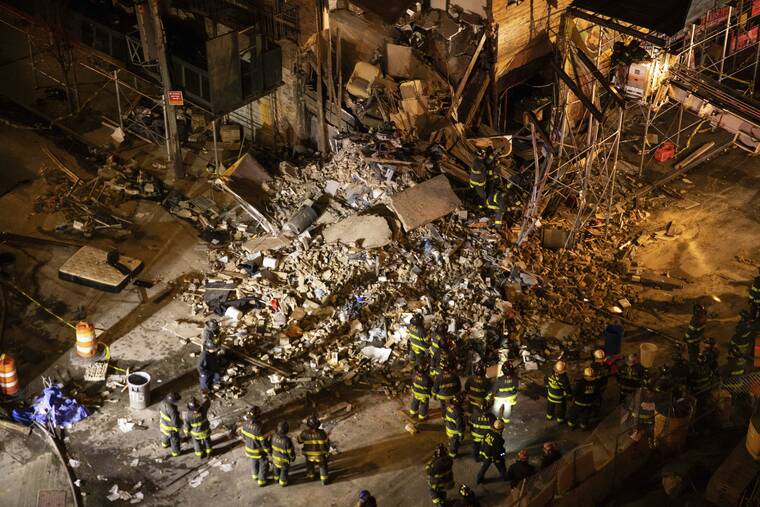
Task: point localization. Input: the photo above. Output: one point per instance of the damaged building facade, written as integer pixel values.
(340, 226)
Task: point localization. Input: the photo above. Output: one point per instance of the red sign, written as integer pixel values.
(174, 97)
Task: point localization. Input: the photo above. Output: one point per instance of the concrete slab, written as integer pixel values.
(265, 243)
(369, 231)
(425, 202)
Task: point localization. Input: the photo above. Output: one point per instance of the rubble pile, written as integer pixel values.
(323, 310)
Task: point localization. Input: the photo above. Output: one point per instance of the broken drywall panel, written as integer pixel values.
(425, 202)
(368, 231)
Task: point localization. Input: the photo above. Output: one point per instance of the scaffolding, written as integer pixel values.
(721, 52)
(582, 147)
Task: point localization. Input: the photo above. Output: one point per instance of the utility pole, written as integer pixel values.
(175, 153)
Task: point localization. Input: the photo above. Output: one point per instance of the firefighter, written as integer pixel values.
(550, 455)
(584, 396)
(283, 453)
(445, 386)
(170, 423)
(209, 365)
(733, 372)
(481, 173)
(210, 332)
(481, 422)
(418, 338)
(712, 354)
(437, 353)
(477, 386)
(521, 469)
(421, 386)
(629, 377)
(492, 452)
(256, 445)
(558, 390)
(693, 336)
(754, 298)
(602, 375)
(678, 371)
(700, 380)
(642, 406)
(196, 424)
(440, 474)
(316, 448)
(743, 335)
(497, 202)
(454, 424)
(366, 499)
(504, 392)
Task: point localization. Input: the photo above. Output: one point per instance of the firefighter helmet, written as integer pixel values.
(313, 422)
(599, 354)
(283, 428)
(588, 373)
(560, 367)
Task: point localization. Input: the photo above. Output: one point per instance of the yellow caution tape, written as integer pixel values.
(46, 309)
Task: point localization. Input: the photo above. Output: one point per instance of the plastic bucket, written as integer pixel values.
(613, 339)
(647, 354)
(139, 390)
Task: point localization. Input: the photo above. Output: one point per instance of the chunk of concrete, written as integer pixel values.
(423, 203)
(370, 231)
(265, 243)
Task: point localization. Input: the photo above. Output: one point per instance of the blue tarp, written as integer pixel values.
(52, 407)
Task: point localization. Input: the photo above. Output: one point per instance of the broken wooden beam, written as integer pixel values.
(457, 97)
(532, 118)
(475, 107)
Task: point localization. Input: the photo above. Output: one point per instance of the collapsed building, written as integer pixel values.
(337, 140)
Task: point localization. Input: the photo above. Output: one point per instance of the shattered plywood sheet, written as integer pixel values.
(401, 61)
(425, 202)
(369, 231)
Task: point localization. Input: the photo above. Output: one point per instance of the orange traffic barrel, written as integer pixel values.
(87, 346)
(8, 376)
(757, 352)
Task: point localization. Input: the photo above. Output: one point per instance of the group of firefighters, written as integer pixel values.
(271, 455)
(483, 406)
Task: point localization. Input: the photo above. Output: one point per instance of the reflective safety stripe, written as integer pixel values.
(451, 433)
(421, 387)
(474, 183)
(314, 442)
(421, 397)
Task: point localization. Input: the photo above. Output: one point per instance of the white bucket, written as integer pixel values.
(139, 390)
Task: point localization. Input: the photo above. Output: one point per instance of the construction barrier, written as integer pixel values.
(87, 345)
(8, 377)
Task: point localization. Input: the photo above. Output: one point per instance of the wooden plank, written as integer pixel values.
(57, 162)
(475, 107)
(460, 89)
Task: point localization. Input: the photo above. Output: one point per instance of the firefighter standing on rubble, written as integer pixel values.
(481, 173)
(454, 424)
(197, 425)
(584, 397)
(504, 392)
(629, 377)
(437, 352)
(209, 365)
(481, 422)
(421, 387)
(418, 338)
(283, 453)
(492, 452)
(170, 423)
(445, 386)
(440, 474)
(693, 336)
(477, 386)
(316, 449)
(256, 445)
(642, 406)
